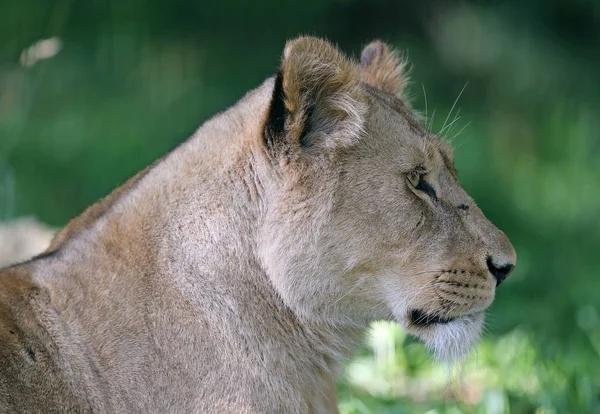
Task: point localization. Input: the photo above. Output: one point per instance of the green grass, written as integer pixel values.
(508, 374)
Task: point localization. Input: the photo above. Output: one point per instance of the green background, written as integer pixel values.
(134, 78)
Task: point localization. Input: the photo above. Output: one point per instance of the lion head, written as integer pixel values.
(366, 216)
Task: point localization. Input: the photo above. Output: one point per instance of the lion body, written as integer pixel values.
(193, 342)
(217, 279)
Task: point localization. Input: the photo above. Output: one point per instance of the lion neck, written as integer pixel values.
(184, 237)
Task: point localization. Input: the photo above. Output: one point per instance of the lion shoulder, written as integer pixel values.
(30, 373)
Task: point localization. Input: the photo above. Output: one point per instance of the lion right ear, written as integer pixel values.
(317, 103)
(382, 68)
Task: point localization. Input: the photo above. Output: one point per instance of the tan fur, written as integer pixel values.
(321, 83)
(382, 68)
(93, 212)
(237, 272)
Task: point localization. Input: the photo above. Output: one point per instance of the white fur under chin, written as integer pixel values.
(453, 341)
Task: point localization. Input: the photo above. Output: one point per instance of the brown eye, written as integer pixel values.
(414, 178)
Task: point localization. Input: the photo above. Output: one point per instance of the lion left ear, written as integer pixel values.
(317, 103)
(382, 68)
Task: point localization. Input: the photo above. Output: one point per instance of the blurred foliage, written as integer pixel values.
(116, 84)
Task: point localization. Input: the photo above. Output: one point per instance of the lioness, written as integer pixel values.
(235, 273)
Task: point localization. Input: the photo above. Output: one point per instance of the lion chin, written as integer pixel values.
(450, 340)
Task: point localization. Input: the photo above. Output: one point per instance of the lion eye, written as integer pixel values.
(414, 177)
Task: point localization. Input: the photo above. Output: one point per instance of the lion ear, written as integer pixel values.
(317, 100)
(382, 68)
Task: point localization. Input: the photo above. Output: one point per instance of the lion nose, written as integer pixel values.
(499, 271)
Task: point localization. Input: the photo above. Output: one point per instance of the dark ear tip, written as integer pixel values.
(371, 51)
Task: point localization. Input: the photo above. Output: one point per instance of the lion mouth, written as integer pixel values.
(423, 319)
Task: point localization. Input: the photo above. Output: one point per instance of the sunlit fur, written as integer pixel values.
(234, 274)
(383, 68)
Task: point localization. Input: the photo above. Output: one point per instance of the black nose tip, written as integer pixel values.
(499, 272)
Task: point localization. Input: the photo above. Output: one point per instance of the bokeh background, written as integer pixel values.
(92, 91)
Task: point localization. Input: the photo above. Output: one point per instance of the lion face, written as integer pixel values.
(434, 258)
(370, 221)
